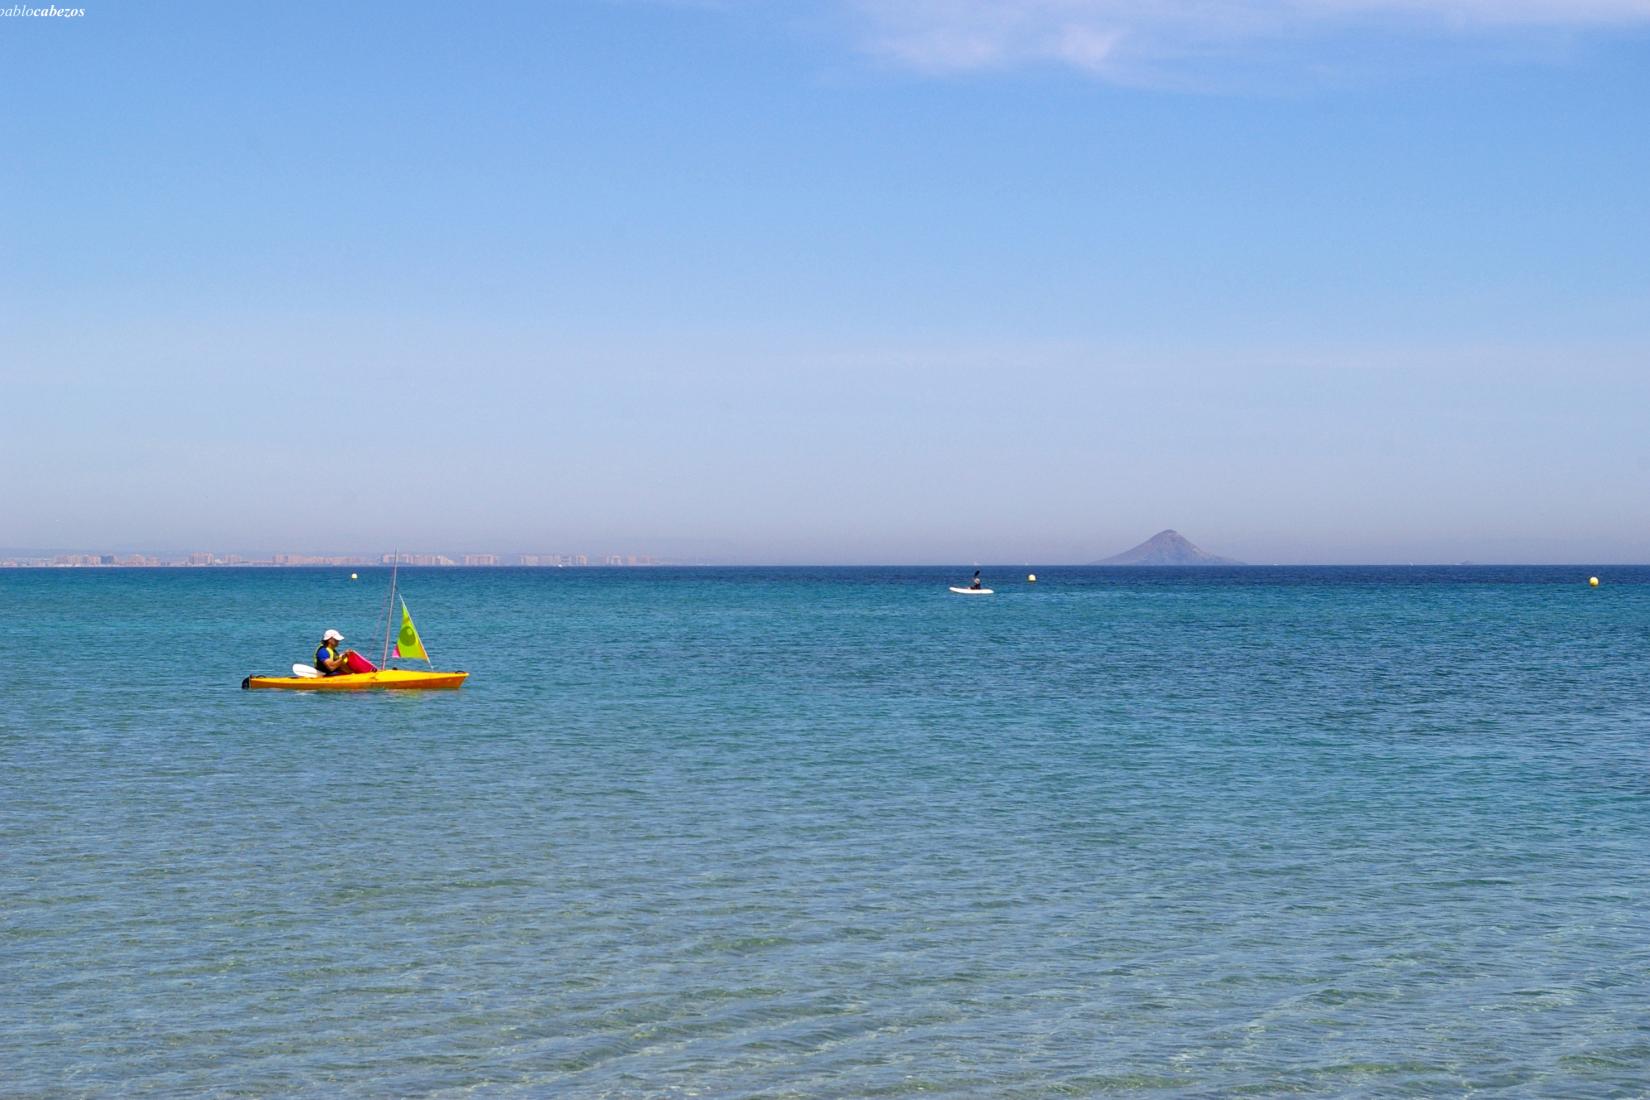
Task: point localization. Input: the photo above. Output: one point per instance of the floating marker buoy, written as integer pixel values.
(354, 577)
(1593, 581)
(1031, 578)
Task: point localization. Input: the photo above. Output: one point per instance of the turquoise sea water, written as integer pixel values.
(835, 832)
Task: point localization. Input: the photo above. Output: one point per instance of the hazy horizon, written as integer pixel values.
(263, 555)
(831, 282)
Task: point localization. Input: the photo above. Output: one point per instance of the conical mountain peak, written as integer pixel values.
(1167, 548)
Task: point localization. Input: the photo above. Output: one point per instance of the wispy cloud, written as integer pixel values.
(1126, 38)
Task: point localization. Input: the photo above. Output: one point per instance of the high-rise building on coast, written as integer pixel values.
(417, 559)
(551, 559)
(313, 559)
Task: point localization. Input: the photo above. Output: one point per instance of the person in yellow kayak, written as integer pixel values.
(327, 658)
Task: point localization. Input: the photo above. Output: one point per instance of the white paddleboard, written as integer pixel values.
(971, 591)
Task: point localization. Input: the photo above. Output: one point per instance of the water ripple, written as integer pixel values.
(819, 833)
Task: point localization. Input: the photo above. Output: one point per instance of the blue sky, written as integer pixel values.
(936, 281)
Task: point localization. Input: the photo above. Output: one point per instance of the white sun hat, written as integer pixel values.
(332, 636)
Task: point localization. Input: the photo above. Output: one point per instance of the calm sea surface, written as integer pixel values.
(833, 832)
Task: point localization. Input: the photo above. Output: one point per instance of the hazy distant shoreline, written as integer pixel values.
(1008, 568)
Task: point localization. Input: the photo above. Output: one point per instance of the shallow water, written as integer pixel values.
(832, 832)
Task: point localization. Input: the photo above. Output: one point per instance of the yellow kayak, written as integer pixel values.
(387, 679)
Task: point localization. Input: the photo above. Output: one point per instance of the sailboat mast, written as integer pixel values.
(389, 612)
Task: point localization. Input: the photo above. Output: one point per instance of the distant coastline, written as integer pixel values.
(207, 560)
(513, 561)
(1166, 549)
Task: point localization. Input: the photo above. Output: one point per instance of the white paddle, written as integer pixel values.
(308, 672)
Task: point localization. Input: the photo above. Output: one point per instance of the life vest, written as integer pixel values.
(324, 653)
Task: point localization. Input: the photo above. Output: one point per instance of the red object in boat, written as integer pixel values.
(358, 663)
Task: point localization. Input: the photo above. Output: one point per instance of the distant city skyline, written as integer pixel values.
(207, 558)
(838, 281)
